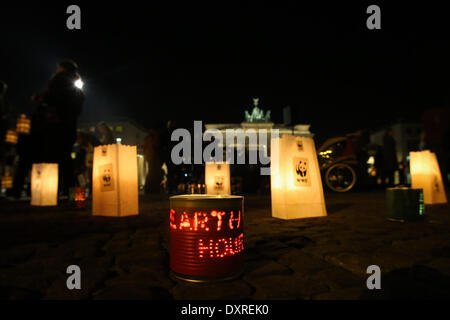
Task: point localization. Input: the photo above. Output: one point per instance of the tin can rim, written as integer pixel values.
(194, 197)
(206, 201)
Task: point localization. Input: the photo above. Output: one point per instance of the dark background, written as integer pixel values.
(207, 61)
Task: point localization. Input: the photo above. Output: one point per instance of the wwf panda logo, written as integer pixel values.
(302, 168)
(218, 183)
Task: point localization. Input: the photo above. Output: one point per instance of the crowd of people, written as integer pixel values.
(54, 115)
(54, 138)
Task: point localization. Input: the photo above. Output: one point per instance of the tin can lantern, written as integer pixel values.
(404, 204)
(296, 185)
(23, 124)
(426, 175)
(217, 178)
(115, 181)
(44, 184)
(206, 237)
(80, 197)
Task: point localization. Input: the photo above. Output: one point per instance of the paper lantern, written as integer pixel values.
(7, 181)
(296, 186)
(217, 178)
(23, 124)
(11, 137)
(404, 204)
(206, 237)
(115, 181)
(44, 184)
(80, 197)
(426, 175)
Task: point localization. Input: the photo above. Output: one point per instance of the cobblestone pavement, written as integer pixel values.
(319, 258)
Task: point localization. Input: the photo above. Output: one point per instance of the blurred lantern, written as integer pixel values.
(404, 204)
(80, 197)
(206, 237)
(11, 137)
(44, 184)
(192, 188)
(115, 181)
(23, 124)
(295, 178)
(426, 175)
(7, 181)
(217, 178)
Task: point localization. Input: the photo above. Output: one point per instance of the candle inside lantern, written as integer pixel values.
(206, 237)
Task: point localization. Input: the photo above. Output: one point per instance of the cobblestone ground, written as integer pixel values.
(320, 258)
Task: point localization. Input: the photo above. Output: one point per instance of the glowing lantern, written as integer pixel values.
(217, 178)
(44, 184)
(295, 178)
(7, 181)
(426, 175)
(11, 137)
(404, 204)
(80, 197)
(115, 181)
(206, 237)
(23, 124)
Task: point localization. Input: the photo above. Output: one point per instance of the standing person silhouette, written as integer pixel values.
(63, 100)
(390, 162)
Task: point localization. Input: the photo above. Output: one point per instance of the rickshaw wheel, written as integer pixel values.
(340, 177)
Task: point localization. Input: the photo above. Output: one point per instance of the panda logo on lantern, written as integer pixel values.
(218, 183)
(106, 177)
(302, 169)
(301, 172)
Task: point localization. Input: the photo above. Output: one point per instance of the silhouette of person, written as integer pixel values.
(63, 100)
(390, 162)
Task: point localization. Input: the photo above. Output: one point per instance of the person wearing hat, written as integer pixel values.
(63, 102)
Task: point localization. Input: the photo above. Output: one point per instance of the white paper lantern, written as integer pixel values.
(115, 181)
(426, 175)
(296, 185)
(44, 184)
(217, 178)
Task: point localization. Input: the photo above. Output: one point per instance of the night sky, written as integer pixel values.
(206, 62)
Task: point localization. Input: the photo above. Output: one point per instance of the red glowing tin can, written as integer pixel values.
(206, 237)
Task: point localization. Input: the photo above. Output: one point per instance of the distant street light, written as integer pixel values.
(79, 84)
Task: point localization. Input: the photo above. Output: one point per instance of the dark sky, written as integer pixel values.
(207, 62)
